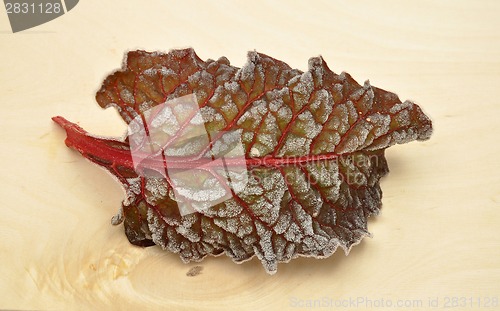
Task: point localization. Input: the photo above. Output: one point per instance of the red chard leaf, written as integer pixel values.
(261, 160)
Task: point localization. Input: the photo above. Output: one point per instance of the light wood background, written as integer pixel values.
(436, 238)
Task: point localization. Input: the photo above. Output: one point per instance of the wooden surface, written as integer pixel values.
(436, 238)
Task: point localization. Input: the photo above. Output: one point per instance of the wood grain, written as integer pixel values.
(437, 235)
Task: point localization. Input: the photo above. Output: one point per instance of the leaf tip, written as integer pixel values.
(317, 62)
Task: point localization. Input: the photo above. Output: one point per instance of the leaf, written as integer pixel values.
(313, 149)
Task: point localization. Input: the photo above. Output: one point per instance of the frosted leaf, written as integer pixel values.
(263, 160)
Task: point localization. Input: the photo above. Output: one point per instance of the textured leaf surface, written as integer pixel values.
(313, 142)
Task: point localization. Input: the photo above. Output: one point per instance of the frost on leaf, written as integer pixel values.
(269, 161)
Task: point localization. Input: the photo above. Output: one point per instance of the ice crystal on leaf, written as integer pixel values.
(311, 157)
